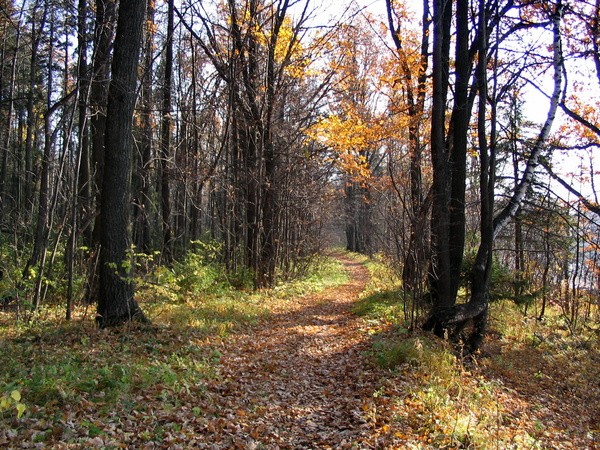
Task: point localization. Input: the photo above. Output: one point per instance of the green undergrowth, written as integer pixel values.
(200, 295)
(55, 365)
(454, 403)
(381, 301)
(443, 407)
(325, 272)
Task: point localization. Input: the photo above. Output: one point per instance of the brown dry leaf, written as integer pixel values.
(303, 379)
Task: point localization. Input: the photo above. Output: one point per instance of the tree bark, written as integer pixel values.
(84, 185)
(142, 181)
(42, 226)
(450, 319)
(461, 114)
(165, 141)
(116, 304)
(7, 138)
(103, 40)
(440, 275)
(482, 267)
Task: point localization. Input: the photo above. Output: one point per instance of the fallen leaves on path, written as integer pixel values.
(302, 378)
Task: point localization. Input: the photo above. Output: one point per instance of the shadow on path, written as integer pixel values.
(300, 379)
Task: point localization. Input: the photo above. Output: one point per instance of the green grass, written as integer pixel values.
(86, 364)
(56, 364)
(453, 405)
(324, 272)
(383, 306)
(382, 299)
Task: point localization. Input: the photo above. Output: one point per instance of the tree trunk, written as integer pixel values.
(458, 147)
(116, 303)
(482, 268)
(104, 26)
(7, 138)
(84, 185)
(42, 226)
(358, 218)
(103, 39)
(142, 183)
(547, 260)
(36, 35)
(440, 276)
(451, 319)
(415, 257)
(165, 141)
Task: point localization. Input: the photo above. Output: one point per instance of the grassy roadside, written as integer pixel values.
(80, 384)
(514, 396)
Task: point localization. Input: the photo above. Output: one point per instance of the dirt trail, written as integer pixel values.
(300, 379)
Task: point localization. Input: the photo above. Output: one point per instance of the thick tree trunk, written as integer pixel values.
(451, 320)
(440, 275)
(116, 303)
(461, 114)
(104, 27)
(448, 319)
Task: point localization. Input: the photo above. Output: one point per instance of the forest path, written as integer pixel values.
(300, 379)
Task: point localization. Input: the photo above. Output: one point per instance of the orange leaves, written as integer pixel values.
(573, 131)
(260, 34)
(358, 121)
(350, 139)
(290, 51)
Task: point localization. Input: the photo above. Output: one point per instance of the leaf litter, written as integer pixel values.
(304, 377)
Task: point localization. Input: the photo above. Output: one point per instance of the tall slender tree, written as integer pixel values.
(9, 88)
(104, 28)
(415, 89)
(142, 176)
(165, 154)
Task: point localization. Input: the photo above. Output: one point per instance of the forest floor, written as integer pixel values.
(306, 379)
(305, 376)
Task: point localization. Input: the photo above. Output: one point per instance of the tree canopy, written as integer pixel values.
(190, 169)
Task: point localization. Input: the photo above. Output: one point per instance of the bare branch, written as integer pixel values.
(509, 211)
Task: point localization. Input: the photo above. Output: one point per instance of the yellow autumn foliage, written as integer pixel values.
(351, 139)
